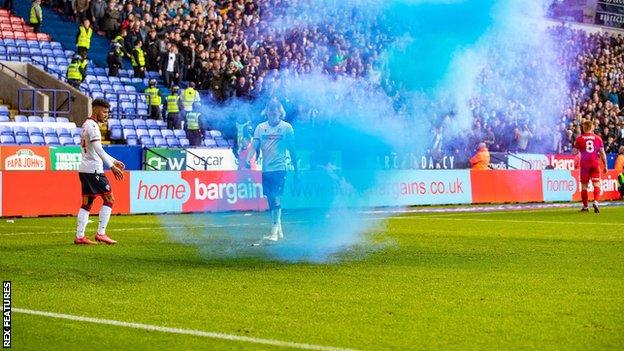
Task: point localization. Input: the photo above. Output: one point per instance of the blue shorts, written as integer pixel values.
(273, 183)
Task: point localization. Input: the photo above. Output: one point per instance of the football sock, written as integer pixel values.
(278, 214)
(83, 219)
(596, 194)
(105, 214)
(585, 197)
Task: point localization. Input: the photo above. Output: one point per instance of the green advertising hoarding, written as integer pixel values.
(163, 159)
(65, 158)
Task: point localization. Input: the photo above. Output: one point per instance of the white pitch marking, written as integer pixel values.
(504, 220)
(193, 332)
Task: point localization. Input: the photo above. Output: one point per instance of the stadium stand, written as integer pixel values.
(238, 70)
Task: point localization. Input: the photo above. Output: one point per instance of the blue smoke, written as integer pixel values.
(433, 52)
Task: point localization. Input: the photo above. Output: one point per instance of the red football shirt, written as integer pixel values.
(589, 145)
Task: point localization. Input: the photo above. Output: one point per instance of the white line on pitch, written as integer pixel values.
(154, 228)
(503, 220)
(193, 332)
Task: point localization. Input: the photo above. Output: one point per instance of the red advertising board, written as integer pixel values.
(506, 186)
(609, 184)
(24, 158)
(214, 191)
(38, 193)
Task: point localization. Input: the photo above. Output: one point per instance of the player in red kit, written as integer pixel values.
(593, 159)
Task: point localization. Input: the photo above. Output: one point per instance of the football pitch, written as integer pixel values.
(536, 279)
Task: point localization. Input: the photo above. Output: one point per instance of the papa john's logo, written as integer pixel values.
(25, 160)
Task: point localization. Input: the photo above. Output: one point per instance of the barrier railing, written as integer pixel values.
(54, 110)
(123, 102)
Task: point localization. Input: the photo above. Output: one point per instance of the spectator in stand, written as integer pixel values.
(98, 12)
(170, 68)
(153, 99)
(138, 60)
(8, 5)
(173, 105)
(193, 131)
(36, 15)
(110, 23)
(115, 60)
(80, 9)
(83, 38)
(152, 51)
(75, 73)
(481, 160)
(619, 161)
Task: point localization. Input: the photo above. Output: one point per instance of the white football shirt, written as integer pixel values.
(274, 142)
(91, 161)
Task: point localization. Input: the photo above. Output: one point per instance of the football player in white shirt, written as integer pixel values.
(274, 138)
(91, 171)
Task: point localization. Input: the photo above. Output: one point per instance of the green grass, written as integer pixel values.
(550, 279)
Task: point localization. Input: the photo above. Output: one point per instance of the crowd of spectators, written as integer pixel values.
(228, 47)
(231, 48)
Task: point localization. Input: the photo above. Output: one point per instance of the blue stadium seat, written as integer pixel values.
(97, 94)
(180, 133)
(37, 140)
(128, 132)
(48, 119)
(113, 122)
(215, 133)
(49, 131)
(172, 142)
(4, 118)
(77, 139)
(116, 132)
(167, 133)
(129, 89)
(126, 123)
(6, 130)
(154, 133)
(132, 140)
(21, 118)
(125, 80)
(160, 142)
(63, 132)
(34, 131)
(51, 140)
(35, 119)
(100, 71)
(151, 124)
(62, 120)
(184, 142)
(19, 130)
(145, 139)
(139, 124)
(22, 139)
(76, 132)
(107, 88)
(7, 139)
(56, 45)
(114, 80)
(66, 140)
(140, 133)
(210, 143)
(222, 143)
